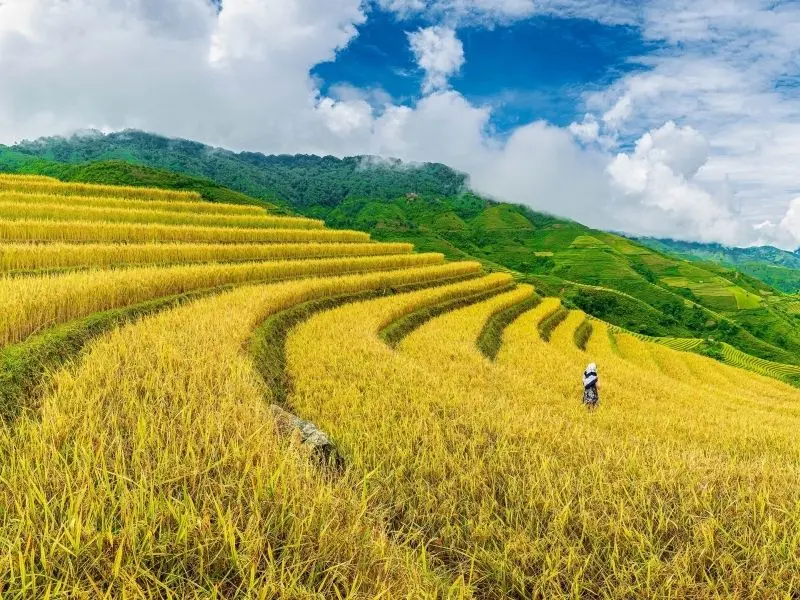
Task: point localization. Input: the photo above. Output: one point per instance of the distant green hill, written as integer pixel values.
(779, 268)
(625, 282)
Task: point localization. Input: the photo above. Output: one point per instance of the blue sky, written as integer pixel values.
(656, 117)
(536, 68)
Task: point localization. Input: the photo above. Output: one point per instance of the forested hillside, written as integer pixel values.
(617, 279)
(301, 181)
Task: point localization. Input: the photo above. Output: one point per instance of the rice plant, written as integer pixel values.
(32, 257)
(34, 184)
(667, 490)
(181, 206)
(28, 230)
(63, 212)
(34, 303)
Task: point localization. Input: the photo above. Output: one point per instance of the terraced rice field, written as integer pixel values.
(681, 344)
(730, 355)
(737, 358)
(718, 293)
(143, 379)
(587, 241)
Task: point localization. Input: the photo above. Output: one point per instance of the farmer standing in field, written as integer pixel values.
(590, 397)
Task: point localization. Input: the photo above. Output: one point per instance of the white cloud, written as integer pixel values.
(721, 73)
(657, 194)
(791, 221)
(345, 117)
(683, 149)
(539, 165)
(241, 79)
(302, 32)
(439, 53)
(493, 12)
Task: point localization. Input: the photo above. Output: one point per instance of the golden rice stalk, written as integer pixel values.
(20, 178)
(211, 208)
(92, 231)
(506, 477)
(156, 471)
(36, 185)
(29, 257)
(62, 212)
(34, 303)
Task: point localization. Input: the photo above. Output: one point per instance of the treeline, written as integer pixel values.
(297, 180)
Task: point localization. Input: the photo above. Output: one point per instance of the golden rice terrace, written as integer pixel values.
(167, 363)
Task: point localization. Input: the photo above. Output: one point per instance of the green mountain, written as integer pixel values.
(776, 267)
(301, 181)
(625, 282)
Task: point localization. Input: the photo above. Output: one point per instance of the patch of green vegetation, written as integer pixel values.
(491, 337)
(618, 308)
(587, 241)
(781, 278)
(612, 341)
(302, 181)
(582, 334)
(501, 217)
(551, 321)
(735, 357)
(774, 267)
(448, 221)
